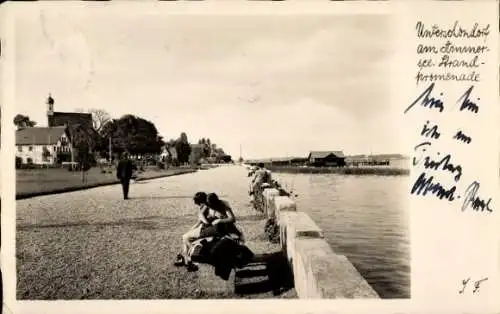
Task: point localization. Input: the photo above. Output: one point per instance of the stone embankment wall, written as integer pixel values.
(319, 273)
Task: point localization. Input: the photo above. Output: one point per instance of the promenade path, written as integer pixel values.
(92, 244)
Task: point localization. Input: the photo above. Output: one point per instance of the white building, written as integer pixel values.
(165, 153)
(43, 145)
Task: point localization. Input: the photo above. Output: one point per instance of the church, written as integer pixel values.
(55, 119)
(50, 144)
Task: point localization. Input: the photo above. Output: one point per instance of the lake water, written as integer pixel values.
(365, 218)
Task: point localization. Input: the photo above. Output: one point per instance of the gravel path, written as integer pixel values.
(92, 244)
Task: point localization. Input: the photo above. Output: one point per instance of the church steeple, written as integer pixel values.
(50, 105)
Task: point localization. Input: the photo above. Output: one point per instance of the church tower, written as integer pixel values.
(50, 108)
(50, 105)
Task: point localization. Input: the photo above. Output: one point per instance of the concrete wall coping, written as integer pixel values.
(334, 275)
(284, 203)
(300, 224)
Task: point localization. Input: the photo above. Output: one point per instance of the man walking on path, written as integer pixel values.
(124, 173)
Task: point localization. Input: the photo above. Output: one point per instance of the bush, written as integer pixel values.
(161, 165)
(271, 229)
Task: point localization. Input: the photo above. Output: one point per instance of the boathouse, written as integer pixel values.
(326, 159)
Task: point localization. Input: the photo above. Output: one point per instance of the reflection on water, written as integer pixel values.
(365, 218)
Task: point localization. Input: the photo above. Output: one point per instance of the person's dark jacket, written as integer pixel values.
(125, 169)
(226, 254)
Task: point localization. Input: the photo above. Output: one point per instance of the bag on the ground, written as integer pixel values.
(223, 254)
(227, 254)
(200, 251)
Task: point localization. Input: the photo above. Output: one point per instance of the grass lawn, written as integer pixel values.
(33, 182)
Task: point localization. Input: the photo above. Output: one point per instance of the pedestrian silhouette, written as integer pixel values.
(124, 172)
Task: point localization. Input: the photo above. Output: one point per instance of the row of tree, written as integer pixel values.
(133, 134)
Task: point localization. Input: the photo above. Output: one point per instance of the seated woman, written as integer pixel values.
(200, 199)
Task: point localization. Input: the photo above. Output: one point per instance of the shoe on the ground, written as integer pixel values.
(179, 261)
(191, 266)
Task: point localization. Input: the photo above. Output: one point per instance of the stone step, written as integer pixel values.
(251, 279)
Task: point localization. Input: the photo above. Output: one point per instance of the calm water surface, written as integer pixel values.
(366, 219)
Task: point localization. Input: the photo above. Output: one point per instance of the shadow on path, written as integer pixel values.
(266, 273)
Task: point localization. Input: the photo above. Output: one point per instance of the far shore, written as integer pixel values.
(378, 171)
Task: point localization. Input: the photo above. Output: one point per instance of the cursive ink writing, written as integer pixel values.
(424, 185)
(454, 32)
(447, 62)
(430, 132)
(467, 76)
(467, 104)
(426, 100)
(423, 144)
(425, 63)
(445, 164)
(422, 49)
(477, 284)
(471, 199)
(461, 137)
(464, 284)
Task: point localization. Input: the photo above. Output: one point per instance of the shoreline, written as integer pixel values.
(26, 195)
(377, 171)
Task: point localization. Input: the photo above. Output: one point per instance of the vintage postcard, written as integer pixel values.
(268, 153)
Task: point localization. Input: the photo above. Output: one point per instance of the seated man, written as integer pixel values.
(262, 176)
(222, 217)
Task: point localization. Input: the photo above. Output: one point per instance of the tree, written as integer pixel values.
(213, 150)
(171, 160)
(209, 147)
(183, 148)
(195, 156)
(83, 141)
(108, 128)
(22, 121)
(133, 134)
(226, 158)
(206, 147)
(99, 118)
(219, 154)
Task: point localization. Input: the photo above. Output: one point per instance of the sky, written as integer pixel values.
(276, 85)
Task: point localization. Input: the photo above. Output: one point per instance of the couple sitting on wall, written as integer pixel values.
(214, 239)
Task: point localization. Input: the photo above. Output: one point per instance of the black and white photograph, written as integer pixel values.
(169, 156)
